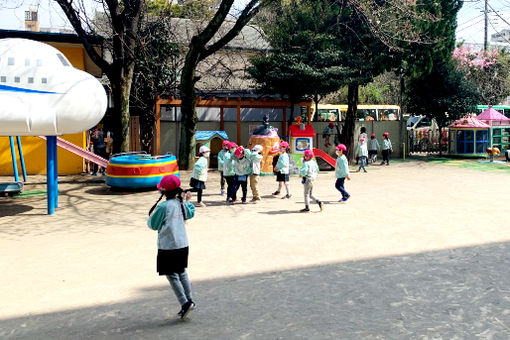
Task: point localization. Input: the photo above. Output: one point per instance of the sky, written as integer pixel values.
(470, 20)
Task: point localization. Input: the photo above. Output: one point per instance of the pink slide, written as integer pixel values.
(327, 158)
(90, 156)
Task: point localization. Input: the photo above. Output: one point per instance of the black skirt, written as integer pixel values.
(282, 177)
(195, 183)
(171, 261)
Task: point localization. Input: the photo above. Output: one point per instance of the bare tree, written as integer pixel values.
(202, 45)
(123, 19)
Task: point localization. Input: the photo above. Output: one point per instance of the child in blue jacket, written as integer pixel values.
(173, 248)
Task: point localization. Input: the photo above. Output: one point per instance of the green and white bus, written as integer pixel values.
(504, 109)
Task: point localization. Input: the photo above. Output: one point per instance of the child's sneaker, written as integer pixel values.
(321, 206)
(276, 192)
(305, 210)
(222, 193)
(201, 204)
(344, 199)
(233, 202)
(186, 309)
(286, 196)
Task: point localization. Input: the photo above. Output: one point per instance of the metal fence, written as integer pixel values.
(427, 141)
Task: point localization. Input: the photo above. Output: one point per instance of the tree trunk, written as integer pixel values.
(121, 89)
(350, 119)
(189, 118)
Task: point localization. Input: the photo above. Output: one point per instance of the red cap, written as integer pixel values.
(284, 145)
(331, 124)
(372, 135)
(169, 183)
(239, 151)
(308, 154)
(341, 147)
(362, 140)
(232, 145)
(225, 143)
(385, 134)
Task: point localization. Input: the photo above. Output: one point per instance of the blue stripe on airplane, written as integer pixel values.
(21, 89)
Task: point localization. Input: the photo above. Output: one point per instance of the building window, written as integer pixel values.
(38, 62)
(27, 62)
(3, 79)
(44, 80)
(30, 80)
(17, 79)
(10, 61)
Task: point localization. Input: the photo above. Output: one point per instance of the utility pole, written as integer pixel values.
(485, 40)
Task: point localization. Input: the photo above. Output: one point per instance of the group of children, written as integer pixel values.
(366, 151)
(237, 163)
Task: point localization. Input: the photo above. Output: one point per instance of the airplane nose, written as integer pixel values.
(85, 105)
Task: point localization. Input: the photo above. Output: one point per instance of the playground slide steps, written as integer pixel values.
(327, 158)
(90, 156)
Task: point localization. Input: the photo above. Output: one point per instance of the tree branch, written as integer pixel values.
(75, 21)
(248, 13)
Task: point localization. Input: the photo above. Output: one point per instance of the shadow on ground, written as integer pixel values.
(458, 293)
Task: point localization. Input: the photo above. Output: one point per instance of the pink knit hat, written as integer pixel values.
(169, 183)
(341, 147)
(308, 154)
(239, 151)
(284, 145)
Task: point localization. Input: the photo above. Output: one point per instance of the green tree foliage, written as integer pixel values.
(153, 74)
(443, 94)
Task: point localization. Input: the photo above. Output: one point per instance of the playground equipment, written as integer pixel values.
(266, 136)
(139, 170)
(212, 139)
(14, 188)
(42, 94)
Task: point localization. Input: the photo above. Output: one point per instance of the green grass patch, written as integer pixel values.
(31, 193)
(469, 163)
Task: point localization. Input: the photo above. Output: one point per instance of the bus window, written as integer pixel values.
(506, 112)
(327, 115)
(388, 114)
(366, 114)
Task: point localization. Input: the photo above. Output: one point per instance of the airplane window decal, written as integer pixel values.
(38, 62)
(30, 80)
(17, 79)
(3, 79)
(27, 62)
(44, 80)
(63, 60)
(10, 61)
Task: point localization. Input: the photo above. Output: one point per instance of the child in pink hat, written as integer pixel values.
(282, 169)
(168, 219)
(387, 148)
(221, 158)
(309, 171)
(362, 153)
(242, 171)
(342, 172)
(199, 174)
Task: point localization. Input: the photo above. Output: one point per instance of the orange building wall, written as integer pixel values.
(34, 148)
(34, 154)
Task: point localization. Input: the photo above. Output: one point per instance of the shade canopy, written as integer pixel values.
(469, 121)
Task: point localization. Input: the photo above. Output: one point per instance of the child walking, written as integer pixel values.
(341, 172)
(199, 174)
(373, 147)
(173, 248)
(229, 169)
(256, 158)
(308, 172)
(221, 157)
(387, 148)
(282, 170)
(362, 153)
(243, 170)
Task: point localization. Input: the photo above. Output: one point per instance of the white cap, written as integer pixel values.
(257, 147)
(203, 149)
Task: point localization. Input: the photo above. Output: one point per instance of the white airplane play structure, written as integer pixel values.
(41, 93)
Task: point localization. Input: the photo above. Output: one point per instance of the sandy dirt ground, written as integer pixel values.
(419, 251)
